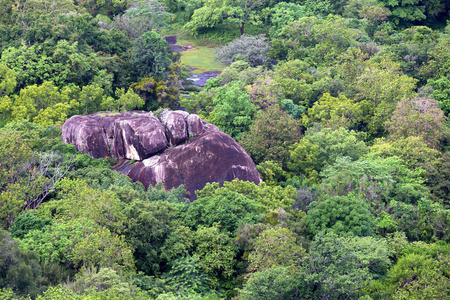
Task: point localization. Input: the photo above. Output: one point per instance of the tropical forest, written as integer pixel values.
(224, 149)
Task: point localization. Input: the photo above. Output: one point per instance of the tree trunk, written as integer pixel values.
(242, 28)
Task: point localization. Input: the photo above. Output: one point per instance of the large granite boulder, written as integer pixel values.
(87, 135)
(175, 148)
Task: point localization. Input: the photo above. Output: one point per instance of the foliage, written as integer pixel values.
(80, 242)
(282, 14)
(292, 109)
(143, 16)
(233, 112)
(67, 64)
(148, 225)
(91, 280)
(151, 55)
(19, 269)
(251, 49)
(441, 93)
(343, 265)
(44, 104)
(418, 117)
(124, 102)
(367, 79)
(367, 178)
(228, 209)
(418, 276)
(405, 12)
(185, 275)
(275, 283)
(324, 40)
(412, 150)
(25, 178)
(26, 222)
(214, 12)
(271, 197)
(384, 85)
(216, 251)
(334, 113)
(7, 80)
(438, 66)
(275, 248)
(342, 215)
(264, 92)
(319, 149)
(160, 92)
(271, 134)
(58, 292)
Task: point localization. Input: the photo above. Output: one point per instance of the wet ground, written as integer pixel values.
(200, 79)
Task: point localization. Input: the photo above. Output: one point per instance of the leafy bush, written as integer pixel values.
(252, 49)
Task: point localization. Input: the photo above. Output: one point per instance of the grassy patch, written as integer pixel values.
(201, 58)
(202, 55)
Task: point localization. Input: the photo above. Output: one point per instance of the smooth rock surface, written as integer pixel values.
(87, 135)
(175, 148)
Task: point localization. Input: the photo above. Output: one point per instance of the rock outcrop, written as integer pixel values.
(175, 148)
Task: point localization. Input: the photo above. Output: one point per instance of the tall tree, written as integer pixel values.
(214, 12)
(273, 131)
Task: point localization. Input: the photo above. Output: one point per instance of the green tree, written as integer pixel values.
(214, 12)
(251, 49)
(438, 177)
(314, 40)
(233, 112)
(65, 64)
(331, 145)
(124, 102)
(80, 242)
(418, 276)
(384, 85)
(161, 92)
(441, 93)
(405, 12)
(303, 159)
(334, 112)
(148, 227)
(282, 14)
(151, 55)
(341, 266)
(342, 215)
(34, 98)
(91, 281)
(19, 269)
(26, 222)
(271, 134)
(412, 150)
(15, 158)
(143, 16)
(419, 117)
(217, 253)
(271, 197)
(277, 283)
(105, 208)
(438, 65)
(275, 247)
(186, 275)
(228, 209)
(8, 80)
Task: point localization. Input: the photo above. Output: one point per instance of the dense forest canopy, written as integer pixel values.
(342, 105)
